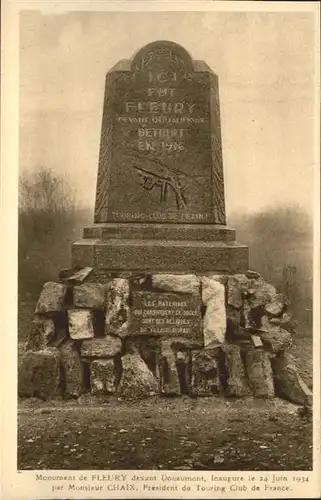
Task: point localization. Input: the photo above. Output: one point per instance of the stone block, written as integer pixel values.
(221, 278)
(214, 322)
(252, 274)
(137, 381)
(288, 382)
(276, 338)
(259, 373)
(117, 307)
(285, 321)
(71, 370)
(78, 277)
(276, 306)
(182, 283)
(169, 380)
(80, 324)
(39, 374)
(41, 333)
(257, 342)
(260, 293)
(149, 350)
(236, 382)
(89, 295)
(236, 286)
(102, 376)
(106, 347)
(205, 374)
(51, 299)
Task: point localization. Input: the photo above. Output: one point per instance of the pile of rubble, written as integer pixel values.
(81, 341)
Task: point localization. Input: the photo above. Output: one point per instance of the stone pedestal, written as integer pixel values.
(159, 248)
(160, 334)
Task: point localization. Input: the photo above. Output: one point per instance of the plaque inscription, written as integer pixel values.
(166, 315)
(162, 142)
(160, 157)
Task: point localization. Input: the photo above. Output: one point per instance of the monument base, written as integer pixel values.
(159, 248)
(161, 334)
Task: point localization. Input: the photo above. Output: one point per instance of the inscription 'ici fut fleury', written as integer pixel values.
(160, 156)
(155, 112)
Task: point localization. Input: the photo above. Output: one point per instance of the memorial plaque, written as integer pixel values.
(160, 157)
(166, 315)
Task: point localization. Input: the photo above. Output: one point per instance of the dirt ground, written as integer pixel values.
(184, 434)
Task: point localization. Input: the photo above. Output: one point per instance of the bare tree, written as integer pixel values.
(47, 218)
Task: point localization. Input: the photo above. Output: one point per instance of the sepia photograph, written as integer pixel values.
(167, 192)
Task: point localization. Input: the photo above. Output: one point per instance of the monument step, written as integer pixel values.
(157, 255)
(199, 232)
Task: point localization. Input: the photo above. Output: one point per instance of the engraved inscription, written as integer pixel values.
(166, 314)
(161, 145)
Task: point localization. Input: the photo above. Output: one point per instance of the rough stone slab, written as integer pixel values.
(205, 374)
(252, 274)
(149, 350)
(221, 278)
(102, 377)
(214, 322)
(80, 276)
(257, 342)
(41, 332)
(236, 286)
(260, 293)
(89, 295)
(137, 381)
(51, 299)
(182, 283)
(80, 324)
(277, 305)
(276, 339)
(285, 321)
(259, 373)
(169, 380)
(39, 374)
(288, 382)
(71, 369)
(106, 347)
(117, 307)
(236, 381)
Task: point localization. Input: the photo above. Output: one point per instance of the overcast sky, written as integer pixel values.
(265, 64)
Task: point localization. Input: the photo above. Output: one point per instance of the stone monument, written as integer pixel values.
(160, 189)
(159, 299)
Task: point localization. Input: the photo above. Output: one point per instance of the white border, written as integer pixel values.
(23, 485)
